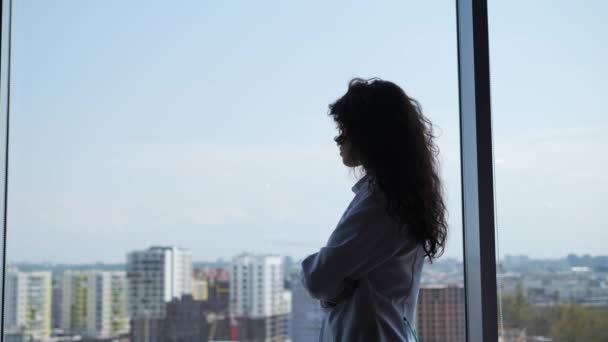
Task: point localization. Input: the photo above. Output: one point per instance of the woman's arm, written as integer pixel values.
(364, 239)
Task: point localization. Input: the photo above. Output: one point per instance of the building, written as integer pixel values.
(186, 320)
(115, 318)
(286, 308)
(190, 320)
(74, 302)
(212, 285)
(256, 285)
(257, 296)
(547, 288)
(13, 297)
(306, 315)
(28, 302)
(200, 286)
(156, 276)
(441, 313)
(94, 303)
(56, 305)
(289, 265)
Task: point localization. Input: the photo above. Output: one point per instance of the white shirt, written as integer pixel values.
(371, 268)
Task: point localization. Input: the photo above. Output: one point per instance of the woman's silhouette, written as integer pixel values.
(367, 277)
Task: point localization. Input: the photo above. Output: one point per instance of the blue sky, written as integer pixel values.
(203, 124)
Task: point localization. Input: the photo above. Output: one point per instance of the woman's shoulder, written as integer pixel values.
(373, 195)
(370, 204)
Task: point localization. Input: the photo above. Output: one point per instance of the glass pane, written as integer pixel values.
(549, 79)
(174, 164)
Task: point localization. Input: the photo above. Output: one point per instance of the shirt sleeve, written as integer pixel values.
(364, 239)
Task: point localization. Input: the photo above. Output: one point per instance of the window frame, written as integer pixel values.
(477, 172)
(5, 62)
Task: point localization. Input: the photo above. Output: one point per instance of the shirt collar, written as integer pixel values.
(360, 183)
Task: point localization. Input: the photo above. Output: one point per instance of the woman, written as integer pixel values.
(368, 276)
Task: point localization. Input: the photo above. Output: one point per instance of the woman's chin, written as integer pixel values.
(348, 163)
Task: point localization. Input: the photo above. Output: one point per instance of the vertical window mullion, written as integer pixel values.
(477, 170)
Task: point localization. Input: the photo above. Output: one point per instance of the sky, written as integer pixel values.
(204, 124)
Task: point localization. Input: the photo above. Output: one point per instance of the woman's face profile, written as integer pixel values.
(346, 152)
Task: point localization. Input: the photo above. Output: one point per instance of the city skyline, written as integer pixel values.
(255, 295)
(227, 259)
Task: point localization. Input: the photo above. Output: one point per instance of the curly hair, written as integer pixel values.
(394, 142)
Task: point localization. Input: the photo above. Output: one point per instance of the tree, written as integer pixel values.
(578, 323)
(564, 322)
(516, 309)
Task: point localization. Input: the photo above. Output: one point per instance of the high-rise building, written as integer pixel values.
(156, 276)
(118, 313)
(306, 315)
(56, 305)
(28, 302)
(74, 302)
(12, 295)
(441, 313)
(94, 303)
(257, 294)
(256, 285)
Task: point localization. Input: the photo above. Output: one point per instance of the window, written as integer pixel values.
(549, 78)
(137, 136)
